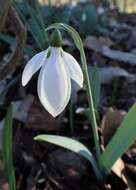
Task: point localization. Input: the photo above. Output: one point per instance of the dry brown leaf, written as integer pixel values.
(106, 41)
(96, 44)
(110, 122)
(3, 183)
(67, 42)
(39, 119)
(131, 184)
(4, 186)
(1, 165)
(131, 151)
(117, 55)
(21, 108)
(109, 73)
(130, 171)
(102, 45)
(118, 169)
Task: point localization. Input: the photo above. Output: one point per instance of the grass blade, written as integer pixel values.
(95, 81)
(35, 25)
(121, 141)
(7, 38)
(7, 150)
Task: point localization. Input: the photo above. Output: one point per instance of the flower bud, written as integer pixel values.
(56, 39)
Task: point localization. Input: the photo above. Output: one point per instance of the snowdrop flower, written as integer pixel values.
(57, 68)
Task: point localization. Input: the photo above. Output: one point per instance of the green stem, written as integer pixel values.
(91, 105)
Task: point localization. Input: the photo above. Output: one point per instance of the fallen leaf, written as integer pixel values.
(118, 169)
(131, 184)
(131, 152)
(96, 44)
(131, 169)
(107, 74)
(125, 57)
(39, 119)
(4, 186)
(3, 183)
(67, 42)
(21, 107)
(110, 122)
(102, 45)
(1, 131)
(129, 172)
(3, 84)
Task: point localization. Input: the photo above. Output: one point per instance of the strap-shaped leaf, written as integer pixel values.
(95, 80)
(7, 150)
(123, 138)
(35, 26)
(74, 146)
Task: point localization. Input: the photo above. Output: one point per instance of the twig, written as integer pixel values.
(20, 33)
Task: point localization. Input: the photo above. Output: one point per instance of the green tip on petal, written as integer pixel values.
(56, 39)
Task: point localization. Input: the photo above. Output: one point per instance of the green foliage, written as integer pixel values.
(84, 18)
(33, 20)
(7, 150)
(74, 146)
(95, 81)
(54, 14)
(88, 22)
(121, 141)
(125, 135)
(7, 39)
(101, 31)
(87, 19)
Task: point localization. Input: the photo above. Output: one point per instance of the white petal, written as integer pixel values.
(74, 68)
(33, 66)
(54, 85)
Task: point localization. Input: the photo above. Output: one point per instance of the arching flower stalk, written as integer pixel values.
(57, 68)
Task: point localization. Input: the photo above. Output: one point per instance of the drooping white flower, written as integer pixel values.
(54, 85)
(57, 68)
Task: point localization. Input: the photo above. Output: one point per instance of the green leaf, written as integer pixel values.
(7, 150)
(121, 141)
(95, 81)
(74, 146)
(35, 25)
(7, 38)
(86, 16)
